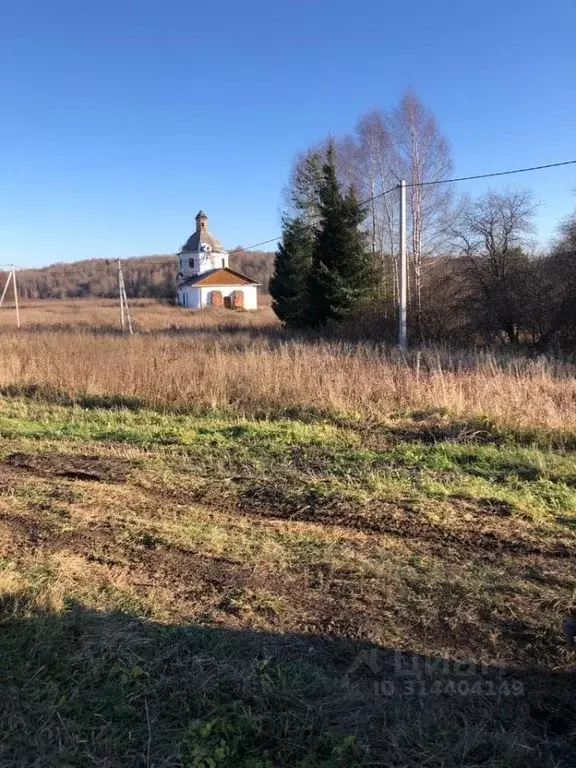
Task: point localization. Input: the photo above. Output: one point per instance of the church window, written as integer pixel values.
(191, 263)
(223, 263)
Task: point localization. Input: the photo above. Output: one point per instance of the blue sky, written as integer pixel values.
(120, 119)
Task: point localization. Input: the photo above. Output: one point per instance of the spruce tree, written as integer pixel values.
(342, 273)
(304, 192)
(292, 264)
(293, 259)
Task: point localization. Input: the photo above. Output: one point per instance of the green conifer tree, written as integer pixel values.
(307, 179)
(292, 264)
(293, 259)
(342, 273)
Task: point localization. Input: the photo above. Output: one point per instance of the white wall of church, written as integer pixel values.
(250, 297)
(189, 297)
(196, 298)
(216, 260)
(250, 294)
(198, 262)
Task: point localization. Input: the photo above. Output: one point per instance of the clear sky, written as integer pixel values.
(119, 119)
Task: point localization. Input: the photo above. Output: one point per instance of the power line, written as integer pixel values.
(100, 267)
(309, 226)
(77, 271)
(138, 259)
(380, 194)
(256, 245)
(492, 175)
(47, 271)
(430, 183)
(361, 204)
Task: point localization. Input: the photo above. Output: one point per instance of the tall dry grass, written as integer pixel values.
(246, 361)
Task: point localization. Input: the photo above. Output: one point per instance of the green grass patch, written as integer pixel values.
(194, 590)
(314, 462)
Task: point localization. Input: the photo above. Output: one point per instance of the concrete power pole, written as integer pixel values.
(403, 271)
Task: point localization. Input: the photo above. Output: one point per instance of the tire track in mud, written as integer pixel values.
(397, 519)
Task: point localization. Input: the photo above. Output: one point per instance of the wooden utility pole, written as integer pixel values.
(403, 271)
(124, 309)
(16, 296)
(5, 291)
(127, 308)
(120, 294)
(12, 278)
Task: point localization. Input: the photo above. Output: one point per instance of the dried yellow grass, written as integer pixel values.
(246, 361)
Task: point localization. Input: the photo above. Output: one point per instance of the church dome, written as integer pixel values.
(202, 235)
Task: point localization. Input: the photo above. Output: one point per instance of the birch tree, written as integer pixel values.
(421, 156)
(375, 169)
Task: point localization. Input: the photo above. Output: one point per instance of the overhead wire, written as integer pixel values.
(371, 199)
(361, 204)
(493, 175)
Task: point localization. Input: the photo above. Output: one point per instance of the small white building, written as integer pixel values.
(204, 278)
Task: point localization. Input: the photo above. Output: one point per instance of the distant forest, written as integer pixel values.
(146, 277)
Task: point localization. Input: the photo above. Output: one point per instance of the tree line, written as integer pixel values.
(146, 277)
(474, 274)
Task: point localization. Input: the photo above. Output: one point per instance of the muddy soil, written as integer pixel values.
(70, 465)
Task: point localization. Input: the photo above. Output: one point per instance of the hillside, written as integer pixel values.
(145, 277)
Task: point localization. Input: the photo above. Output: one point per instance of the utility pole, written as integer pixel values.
(120, 293)
(15, 296)
(403, 271)
(5, 291)
(11, 278)
(124, 309)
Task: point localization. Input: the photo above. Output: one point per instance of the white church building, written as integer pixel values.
(204, 278)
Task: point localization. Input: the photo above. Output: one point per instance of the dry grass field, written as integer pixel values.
(247, 362)
(222, 544)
